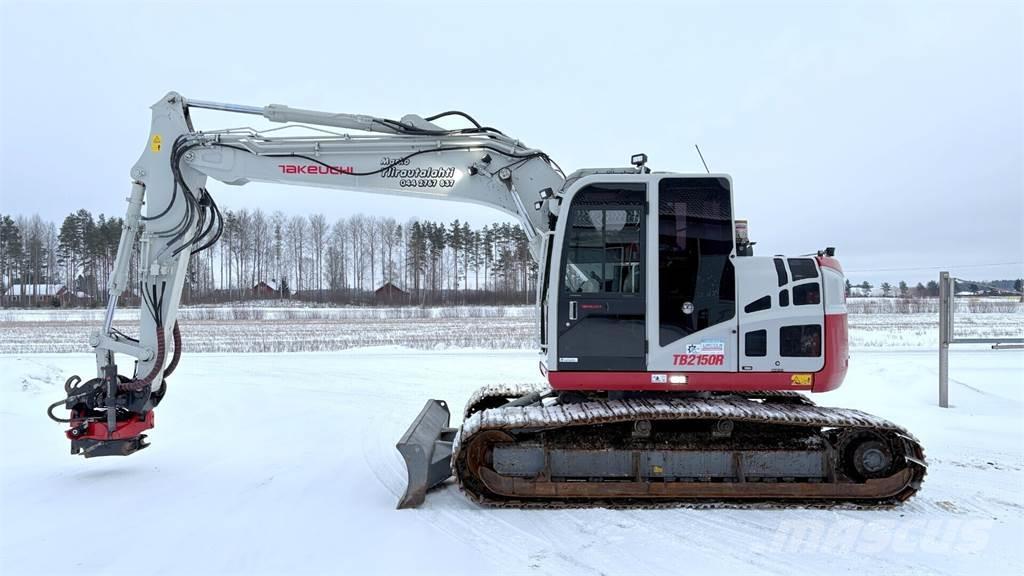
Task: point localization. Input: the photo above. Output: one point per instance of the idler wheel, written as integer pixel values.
(869, 458)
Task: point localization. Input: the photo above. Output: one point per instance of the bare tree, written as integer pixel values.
(336, 242)
(298, 232)
(318, 237)
(356, 232)
(389, 241)
(373, 225)
(243, 250)
(279, 224)
(260, 246)
(33, 232)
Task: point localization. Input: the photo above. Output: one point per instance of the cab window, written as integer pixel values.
(696, 281)
(602, 244)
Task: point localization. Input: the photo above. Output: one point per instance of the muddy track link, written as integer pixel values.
(792, 418)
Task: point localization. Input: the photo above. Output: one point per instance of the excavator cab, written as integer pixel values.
(647, 280)
(673, 358)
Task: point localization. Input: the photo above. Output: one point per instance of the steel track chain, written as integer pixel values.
(746, 409)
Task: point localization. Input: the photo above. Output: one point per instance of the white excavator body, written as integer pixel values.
(660, 332)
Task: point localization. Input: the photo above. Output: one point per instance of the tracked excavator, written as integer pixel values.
(677, 363)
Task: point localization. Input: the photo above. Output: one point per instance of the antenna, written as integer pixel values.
(702, 159)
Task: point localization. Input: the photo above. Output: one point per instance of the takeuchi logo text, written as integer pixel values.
(314, 169)
(427, 172)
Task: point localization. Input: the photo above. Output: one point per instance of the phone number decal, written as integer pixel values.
(426, 183)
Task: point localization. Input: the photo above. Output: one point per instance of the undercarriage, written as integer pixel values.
(522, 446)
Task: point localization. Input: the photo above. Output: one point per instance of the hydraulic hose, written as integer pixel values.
(176, 336)
(161, 351)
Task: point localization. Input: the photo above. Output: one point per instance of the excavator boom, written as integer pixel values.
(410, 157)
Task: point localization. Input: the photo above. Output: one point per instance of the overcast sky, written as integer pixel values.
(894, 132)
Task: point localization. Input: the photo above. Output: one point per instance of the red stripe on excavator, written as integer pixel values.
(828, 378)
(837, 353)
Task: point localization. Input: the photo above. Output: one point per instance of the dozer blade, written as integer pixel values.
(427, 449)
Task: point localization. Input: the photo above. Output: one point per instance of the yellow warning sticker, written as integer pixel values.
(801, 379)
(657, 470)
(154, 145)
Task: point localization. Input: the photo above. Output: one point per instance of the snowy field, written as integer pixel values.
(921, 330)
(877, 323)
(270, 463)
(277, 329)
(285, 463)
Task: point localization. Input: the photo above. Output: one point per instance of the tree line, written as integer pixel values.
(35, 252)
(262, 255)
(308, 258)
(931, 289)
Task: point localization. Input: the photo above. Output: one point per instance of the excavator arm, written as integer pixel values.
(177, 217)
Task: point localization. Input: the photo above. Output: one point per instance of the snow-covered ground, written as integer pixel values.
(278, 329)
(316, 329)
(921, 330)
(285, 463)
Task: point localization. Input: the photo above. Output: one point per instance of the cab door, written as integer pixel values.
(693, 286)
(602, 303)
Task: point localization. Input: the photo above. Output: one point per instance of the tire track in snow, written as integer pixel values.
(709, 536)
(389, 471)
